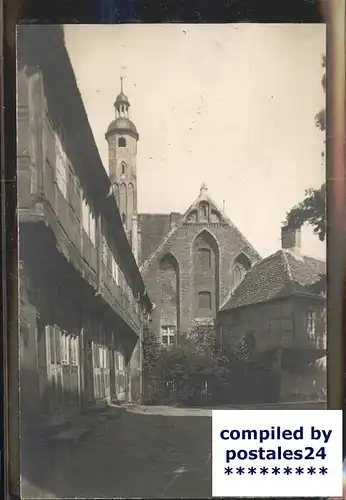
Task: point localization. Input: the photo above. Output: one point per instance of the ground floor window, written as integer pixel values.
(168, 334)
(69, 349)
(311, 324)
(100, 356)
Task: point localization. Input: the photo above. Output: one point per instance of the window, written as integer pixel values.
(204, 300)
(123, 218)
(104, 250)
(65, 348)
(192, 217)
(116, 274)
(53, 336)
(92, 228)
(168, 334)
(311, 324)
(114, 269)
(71, 186)
(88, 221)
(238, 275)
(120, 361)
(122, 142)
(75, 351)
(203, 211)
(61, 167)
(85, 216)
(123, 168)
(204, 258)
(78, 192)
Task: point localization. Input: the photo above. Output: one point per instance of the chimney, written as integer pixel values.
(290, 239)
(174, 218)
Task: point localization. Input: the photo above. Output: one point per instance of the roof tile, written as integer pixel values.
(280, 274)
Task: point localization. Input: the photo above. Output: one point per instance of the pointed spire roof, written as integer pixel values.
(122, 123)
(122, 98)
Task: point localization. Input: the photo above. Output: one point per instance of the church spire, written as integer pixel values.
(122, 103)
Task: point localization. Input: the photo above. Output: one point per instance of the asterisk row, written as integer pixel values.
(275, 470)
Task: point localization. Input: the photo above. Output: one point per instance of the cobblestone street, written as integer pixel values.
(152, 452)
(137, 456)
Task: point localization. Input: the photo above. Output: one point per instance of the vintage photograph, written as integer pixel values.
(172, 257)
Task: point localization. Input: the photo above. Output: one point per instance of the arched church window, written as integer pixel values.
(204, 258)
(203, 211)
(122, 142)
(239, 269)
(192, 217)
(204, 300)
(123, 166)
(238, 274)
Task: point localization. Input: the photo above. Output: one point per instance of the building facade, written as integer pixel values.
(279, 310)
(189, 262)
(198, 258)
(83, 302)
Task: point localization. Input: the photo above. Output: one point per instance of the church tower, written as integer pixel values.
(122, 138)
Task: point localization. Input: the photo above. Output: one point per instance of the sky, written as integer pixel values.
(230, 105)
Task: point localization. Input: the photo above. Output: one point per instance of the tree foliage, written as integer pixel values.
(197, 353)
(152, 349)
(312, 210)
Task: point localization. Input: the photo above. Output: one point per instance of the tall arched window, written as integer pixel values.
(169, 304)
(205, 275)
(238, 274)
(123, 167)
(240, 267)
(203, 211)
(204, 257)
(122, 142)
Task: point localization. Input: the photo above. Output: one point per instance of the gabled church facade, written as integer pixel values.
(190, 262)
(191, 273)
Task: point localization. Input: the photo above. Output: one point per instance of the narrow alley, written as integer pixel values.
(138, 455)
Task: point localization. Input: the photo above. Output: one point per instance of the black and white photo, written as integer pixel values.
(172, 258)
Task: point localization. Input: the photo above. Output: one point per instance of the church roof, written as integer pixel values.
(203, 196)
(154, 228)
(279, 275)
